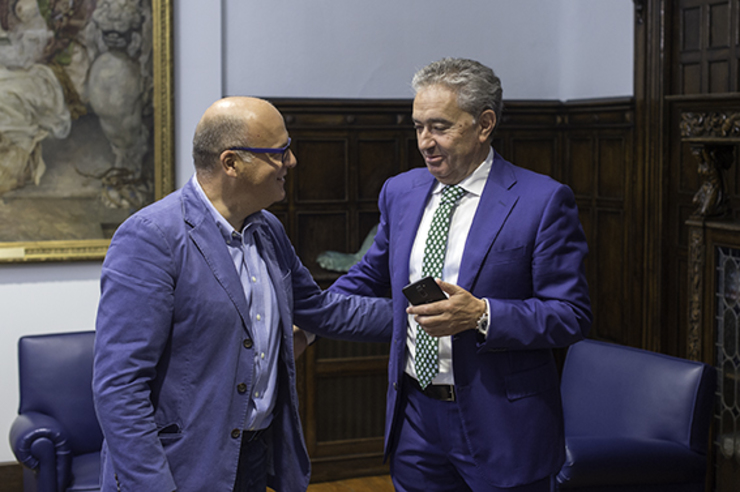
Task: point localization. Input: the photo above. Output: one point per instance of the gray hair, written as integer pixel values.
(216, 134)
(477, 87)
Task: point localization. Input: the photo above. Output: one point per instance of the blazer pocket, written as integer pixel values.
(169, 432)
(531, 382)
(507, 255)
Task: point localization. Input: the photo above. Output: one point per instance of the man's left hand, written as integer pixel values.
(459, 312)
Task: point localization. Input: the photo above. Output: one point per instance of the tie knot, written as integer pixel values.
(452, 193)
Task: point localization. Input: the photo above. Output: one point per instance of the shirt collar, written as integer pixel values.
(223, 225)
(474, 183)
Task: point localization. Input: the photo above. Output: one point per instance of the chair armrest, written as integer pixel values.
(600, 461)
(40, 443)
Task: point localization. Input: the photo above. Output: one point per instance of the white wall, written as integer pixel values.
(596, 44)
(542, 49)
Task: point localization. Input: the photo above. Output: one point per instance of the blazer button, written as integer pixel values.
(236, 433)
(395, 385)
(241, 388)
(248, 343)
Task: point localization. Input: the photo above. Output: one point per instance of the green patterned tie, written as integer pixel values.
(427, 348)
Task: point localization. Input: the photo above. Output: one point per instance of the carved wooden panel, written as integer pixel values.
(582, 170)
(599, 165)
(609, 279)
(321, 174)
(705, 46)
(377, 159)
(538, 154)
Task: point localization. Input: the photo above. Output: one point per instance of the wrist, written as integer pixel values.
(483, 321)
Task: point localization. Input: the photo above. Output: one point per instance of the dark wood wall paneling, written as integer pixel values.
(686, 61)
(347, 149)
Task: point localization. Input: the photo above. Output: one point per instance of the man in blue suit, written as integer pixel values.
(194, 376)
(490, 419)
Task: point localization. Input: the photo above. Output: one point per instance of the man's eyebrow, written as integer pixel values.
(433, 121)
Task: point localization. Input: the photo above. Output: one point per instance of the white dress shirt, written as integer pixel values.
(462, 219)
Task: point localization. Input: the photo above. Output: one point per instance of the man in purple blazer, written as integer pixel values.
(491, 418)
(194, 377)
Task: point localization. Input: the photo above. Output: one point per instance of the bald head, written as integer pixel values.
(233, 122)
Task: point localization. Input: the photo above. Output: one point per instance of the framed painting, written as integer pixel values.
(86, 122)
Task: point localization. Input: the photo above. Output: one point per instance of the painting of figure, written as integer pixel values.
(76, 117)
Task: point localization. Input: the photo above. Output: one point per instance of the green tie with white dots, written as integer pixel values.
(427, 347)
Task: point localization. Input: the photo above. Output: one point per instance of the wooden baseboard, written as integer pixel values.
(11, 477)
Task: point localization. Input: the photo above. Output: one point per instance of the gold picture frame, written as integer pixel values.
(155, 170)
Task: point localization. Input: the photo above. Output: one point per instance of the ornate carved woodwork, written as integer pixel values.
(711, 197)
(697, 259)
(708, 126)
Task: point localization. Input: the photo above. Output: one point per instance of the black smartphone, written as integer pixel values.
(424, 291)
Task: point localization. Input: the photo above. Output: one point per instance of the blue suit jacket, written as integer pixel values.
(524, 253)
(171, 350)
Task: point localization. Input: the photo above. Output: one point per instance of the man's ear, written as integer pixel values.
(228, 160)
(486, 124)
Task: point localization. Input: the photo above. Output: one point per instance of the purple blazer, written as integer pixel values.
(172, 350)
(525, 254)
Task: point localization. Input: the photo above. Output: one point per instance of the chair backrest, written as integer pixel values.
(56, 379)
(611, 390)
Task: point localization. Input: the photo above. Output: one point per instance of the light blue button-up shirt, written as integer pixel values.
(263, 314)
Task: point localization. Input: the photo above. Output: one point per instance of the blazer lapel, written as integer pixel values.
(496, 202)
(410, 209)
(208, 239)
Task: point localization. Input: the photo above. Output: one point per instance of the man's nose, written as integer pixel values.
(292, 161)
(424, 139)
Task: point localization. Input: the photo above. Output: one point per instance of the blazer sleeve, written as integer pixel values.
(558, 312)
(337, 315)
(133, 325)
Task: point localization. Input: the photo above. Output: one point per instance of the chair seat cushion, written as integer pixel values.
(593, 461)
(85, 472)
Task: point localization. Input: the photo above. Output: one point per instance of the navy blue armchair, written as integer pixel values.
(56, 435)
(634, 420)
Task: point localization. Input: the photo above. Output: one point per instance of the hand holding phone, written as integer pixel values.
(424, 291)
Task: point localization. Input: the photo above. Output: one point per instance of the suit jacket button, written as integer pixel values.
(248, 343)
(236, 433)
(241, 388)
(395, 385)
